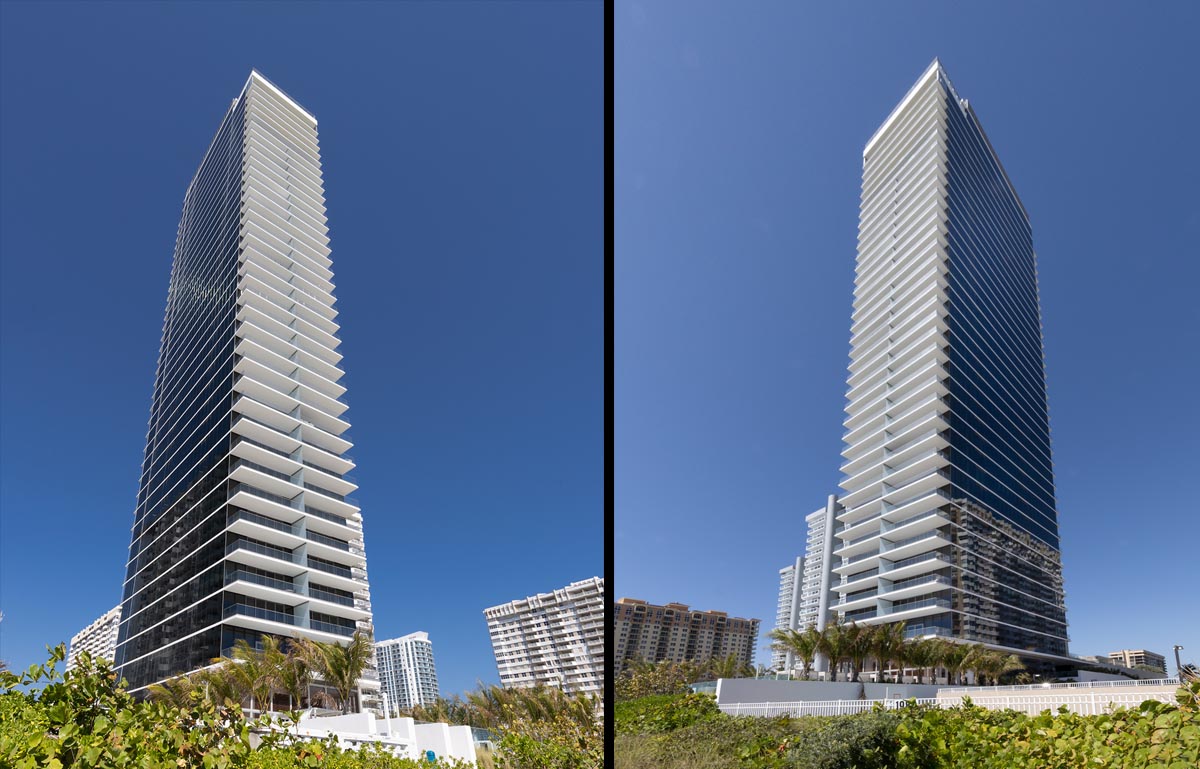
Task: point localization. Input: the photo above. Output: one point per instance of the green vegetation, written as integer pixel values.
(674, 732)
(86, 718)
(639, 678)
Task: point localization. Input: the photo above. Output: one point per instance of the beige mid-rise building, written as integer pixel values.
(675, 632)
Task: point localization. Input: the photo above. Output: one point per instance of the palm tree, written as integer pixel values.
(289, 670)
(858, 647)
(254, 677)
(833, 645)
(339, 666)
(921, 654)
(801, 643)
(729, 667)
(218, 685)
(887, 644)
(976, 661)
(953, 656)
(176, 692)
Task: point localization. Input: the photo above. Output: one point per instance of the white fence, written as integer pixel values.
(815, 708)
(1082, 685)
(1088, 703)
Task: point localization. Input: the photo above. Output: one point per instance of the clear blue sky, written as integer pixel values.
(462, 146)
(739, 136)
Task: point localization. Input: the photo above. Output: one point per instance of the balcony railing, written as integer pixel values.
(254, 611)
(262, 494)
(259, 579)
(909, 540)
(329, 627)
(924, 579)
(262, 520)
(899, 607)
(857, 597)
(327, 516)
(331, 541)
(859, 575)
(254, 547)
(263, 446)
(261, 468)
(325, 595)
(330, 568)
(915, 559)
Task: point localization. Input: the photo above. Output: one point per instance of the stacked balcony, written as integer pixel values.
(295, 560)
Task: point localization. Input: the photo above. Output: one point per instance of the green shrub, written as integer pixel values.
(663, 713)
(1154, 734)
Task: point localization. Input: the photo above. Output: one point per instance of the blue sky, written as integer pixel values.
(462, 146)
(739, 136)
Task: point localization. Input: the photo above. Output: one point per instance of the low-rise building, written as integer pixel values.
(1131, 658)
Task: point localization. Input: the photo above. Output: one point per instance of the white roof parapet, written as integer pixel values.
(255, 75)
(930, 71)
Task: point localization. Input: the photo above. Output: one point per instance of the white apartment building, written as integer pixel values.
(407, 675)
(555, 639)
(787, 609)
(98, 639)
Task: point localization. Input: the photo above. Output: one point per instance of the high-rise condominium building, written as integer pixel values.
(788, 608)
(1131, 658)
(815, 588)
(407, 675)
(948, 519)
(243, 526)
(555, 639)
(98, 639)
(675, 632)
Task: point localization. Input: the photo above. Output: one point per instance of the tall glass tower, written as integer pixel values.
(947, 514)
(243, 526)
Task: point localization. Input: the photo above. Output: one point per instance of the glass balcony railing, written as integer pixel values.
(859, 575)
(900, 607)
(262, 520)
(331, 541)
(254, 611)
(330, 568)
(263, 446)
(327, 516)
(325, 595)
(329, 627)
(262, 469)
(259, 579)
(915, 559)
(255, 547)
(887, 546)
(262, 494)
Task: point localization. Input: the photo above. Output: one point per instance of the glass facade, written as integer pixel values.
(1002, 479)
(174, 560)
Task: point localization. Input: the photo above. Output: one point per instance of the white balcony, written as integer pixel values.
(269, 436)
(917, 565)
(920, 586)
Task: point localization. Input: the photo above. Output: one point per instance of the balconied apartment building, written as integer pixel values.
(407, 675)
(243, 525)
(1131, 658)
(98, 639)
(553, 639)
(675, 632)
(947, 517)
(787, 609)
